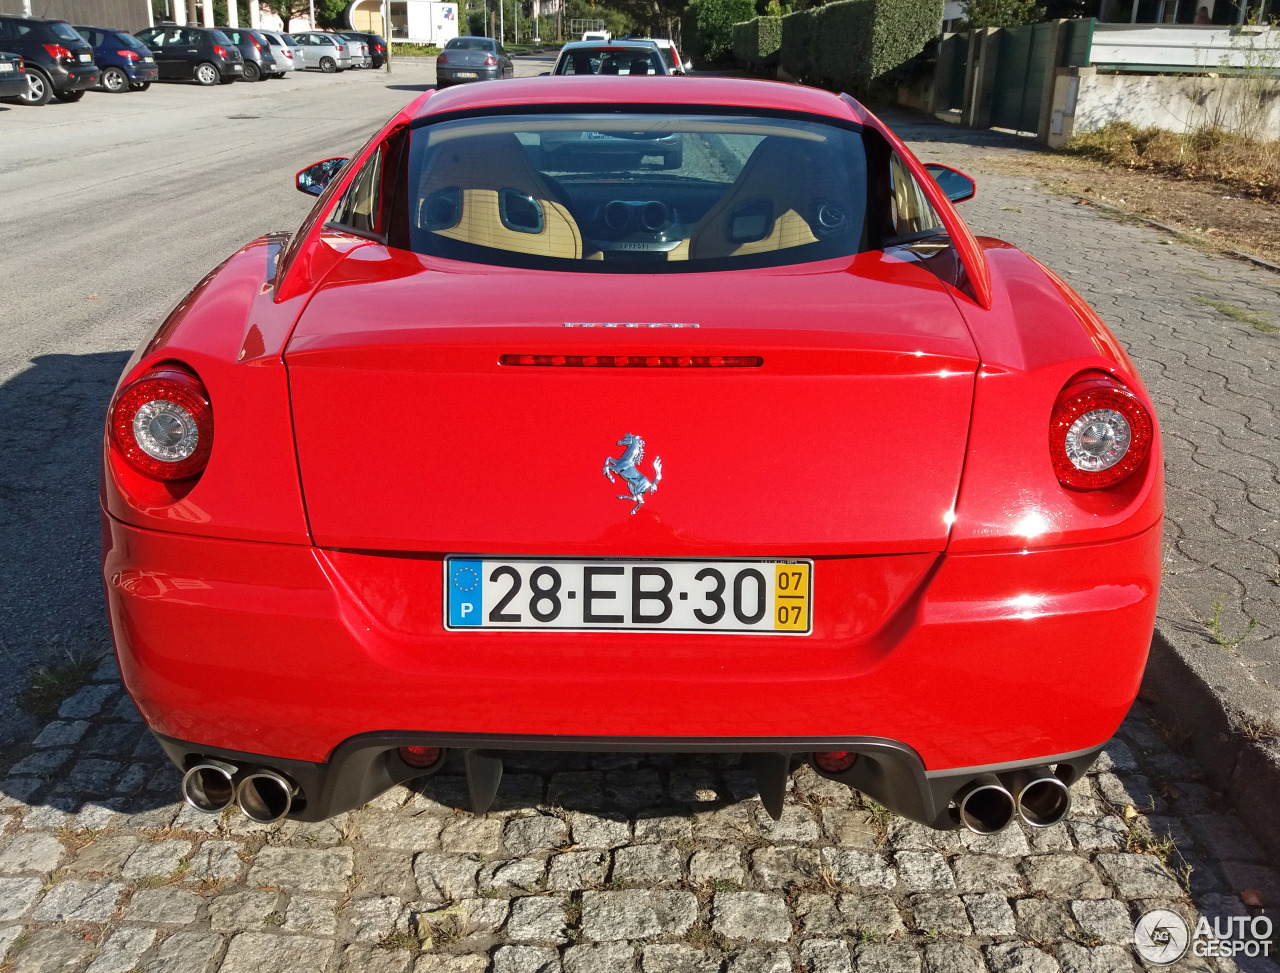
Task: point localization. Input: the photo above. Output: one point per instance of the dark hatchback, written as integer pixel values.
(472, 59)
(204, 54)
(377, 46)
(126, 63)
(259, 62)
(13, 76)
(59, 61)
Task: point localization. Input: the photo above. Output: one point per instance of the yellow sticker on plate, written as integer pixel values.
(791, 596)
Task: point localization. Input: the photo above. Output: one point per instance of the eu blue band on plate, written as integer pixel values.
(465, 593)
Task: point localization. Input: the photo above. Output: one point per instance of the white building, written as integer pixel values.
(412, 21)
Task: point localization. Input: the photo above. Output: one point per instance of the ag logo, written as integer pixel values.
(1161, 937)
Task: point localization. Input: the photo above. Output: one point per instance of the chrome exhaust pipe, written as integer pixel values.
(1043, 800)
(984, 805)
(209, 786)
(265, 796)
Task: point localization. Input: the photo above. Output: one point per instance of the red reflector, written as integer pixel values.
(835, 761)
(636, 361)
(420, 757)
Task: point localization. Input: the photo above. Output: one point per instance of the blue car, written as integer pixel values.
(127, 64)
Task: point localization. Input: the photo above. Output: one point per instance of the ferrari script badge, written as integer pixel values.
(625, 467)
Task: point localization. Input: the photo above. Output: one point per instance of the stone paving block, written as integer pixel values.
(216, 860)
(99, 815)
(537, 919)
(796, 826)
(524, 836)
(819, 915)
(849, 828)
(868, 869)
(86, 702)
(924, 871)
(122, 952)
(887, 958)
(385, 829)
(756, 960)
(105, 857)
(31, 853)
(1242, 876)
(907, 835)
(17, 896)
(167, 907)
(634, 788)
(591, 831)
(39, 763)
(1106, 919)
(61, 733)
(1107, 833)
(312, 915)
(73, 901)
(871, 915)
(1063, 876)
(48, 816)
(53, 949)
(1020, 958)
(7, 935)
(1139, 877)
(1043, 921)
(232, 911)
(1225, 838)
(600, 958)
(484, 916)
(435, 963)
(694, 785)
(371, 920)
(679, 958)
(759, 916)
(656, 864)
(1130, 789)
(575, 870)
(479, 836)
(639, 914)
(305, 869)
(939, 912)
(990, 914)
(651, 827)
(17, 791)
(359, 958)
(1117, 756)
(775, 868)
(389, 873)
(187, 952)
(577, 790)
(953, 958)
(825, 956)
(156, 859)
(1044, 841)
(717, 865)
(260, 952)
(1011, 842)
(1098, 959)
(524, 874)
(987, 873)
(526, 959)
(729, 823)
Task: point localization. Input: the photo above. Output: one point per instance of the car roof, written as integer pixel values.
(605, 45)
(691, 92)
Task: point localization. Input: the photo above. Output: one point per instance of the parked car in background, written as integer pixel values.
(59, 62)
(597, 35)
(203, 54)
(675, 65)
(615, 57)
(13, 77)
(282, 51)
(377, 47)
(359, 48)
(472, 59)
(126, 63)
(327, 52)
(258, 60)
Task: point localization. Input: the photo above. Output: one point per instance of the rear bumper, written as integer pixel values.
(13, 85)
(76, 78)
(968, 660)
(451, 75)
(231, 69)
(145, 73)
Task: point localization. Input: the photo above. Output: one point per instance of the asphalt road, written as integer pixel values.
(111, 209)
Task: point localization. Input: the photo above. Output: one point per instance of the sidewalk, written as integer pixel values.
(1214, 673)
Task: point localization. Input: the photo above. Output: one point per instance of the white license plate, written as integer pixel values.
(85, 58)
(5, 67)
(464, 74)
(149, 60)
(652, 595)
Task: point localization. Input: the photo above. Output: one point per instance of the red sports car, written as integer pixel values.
(509, 447)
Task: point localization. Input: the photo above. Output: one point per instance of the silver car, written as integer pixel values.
(328, 52)
(282, 52)
(360, 55)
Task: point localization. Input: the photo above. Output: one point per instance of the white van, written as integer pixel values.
(597, 35)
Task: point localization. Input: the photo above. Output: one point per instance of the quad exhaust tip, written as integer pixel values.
(1043, 800)
(985, 806)
(209, 786)
(265, 796)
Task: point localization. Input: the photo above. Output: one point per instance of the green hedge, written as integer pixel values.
(850, 44)
(757, 42)
(710, 24)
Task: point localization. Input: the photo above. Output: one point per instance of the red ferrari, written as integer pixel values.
(526, 441)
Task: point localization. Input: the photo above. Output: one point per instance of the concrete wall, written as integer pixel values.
(128, 15)
(1198, 48)
(1180, 104)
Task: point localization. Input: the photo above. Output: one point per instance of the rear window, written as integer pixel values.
(610, 60)
(288, 39)
(128, 40)
(65, 32)
(219, 37)
(469, 44)
(642, 192)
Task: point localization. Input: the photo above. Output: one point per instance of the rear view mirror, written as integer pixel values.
(954, 183)
(313, 179)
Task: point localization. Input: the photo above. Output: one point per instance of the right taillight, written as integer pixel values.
(162, 424)
(1099, 433)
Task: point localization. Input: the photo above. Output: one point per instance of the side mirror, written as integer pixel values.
(954, 183)
(314, 178)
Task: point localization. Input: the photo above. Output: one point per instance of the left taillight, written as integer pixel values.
(162, 424)
(128, 55)
(1099, 434)
(221, 51)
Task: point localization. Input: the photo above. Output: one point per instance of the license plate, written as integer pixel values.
(149, 60)
(653, 595)
(464, 74)
(5, 67)
(85, 58)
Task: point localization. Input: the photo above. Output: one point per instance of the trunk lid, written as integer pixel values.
(849, 438)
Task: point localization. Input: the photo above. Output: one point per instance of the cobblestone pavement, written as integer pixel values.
(668, 864)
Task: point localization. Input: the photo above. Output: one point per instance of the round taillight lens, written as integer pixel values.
(835, 761)
(1099, 434)
(162, 425)
(420, 757)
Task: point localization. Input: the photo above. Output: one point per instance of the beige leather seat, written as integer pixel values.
(478, 169)
(785, 180)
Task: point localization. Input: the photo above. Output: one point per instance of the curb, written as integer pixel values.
(1174, 231)
(1206, 698)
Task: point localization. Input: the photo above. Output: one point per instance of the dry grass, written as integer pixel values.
(1248, 165)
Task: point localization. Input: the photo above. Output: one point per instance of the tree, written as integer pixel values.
(1000, 13)
(286, 10)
